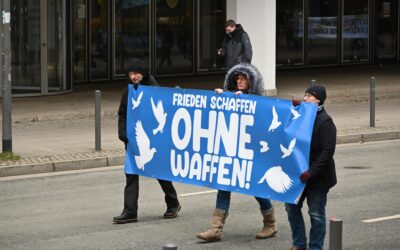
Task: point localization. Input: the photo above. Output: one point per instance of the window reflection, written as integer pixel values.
(25, 45)
(355, 31)
(387, 29)
(132, 24)
(289, 32)
(79, 40)
(174, 37)
(322, 32)
(99, 39)
(211, 34)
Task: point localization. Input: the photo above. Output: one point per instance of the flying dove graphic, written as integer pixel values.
(161, 117)
(295, 114)
(288, 151)
(275, 123)
(264, 146)
(143, 142)
(136, 103)
(277, 179)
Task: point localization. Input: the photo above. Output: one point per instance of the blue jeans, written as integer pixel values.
(224, 201)
(316, 200)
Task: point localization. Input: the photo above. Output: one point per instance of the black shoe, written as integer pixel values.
(124, 218)
(172, 212)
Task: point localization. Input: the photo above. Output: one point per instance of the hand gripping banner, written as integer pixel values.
(249, 144)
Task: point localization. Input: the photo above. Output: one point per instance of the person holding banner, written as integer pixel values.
(319, 178)
(243, 78)
(137, 74)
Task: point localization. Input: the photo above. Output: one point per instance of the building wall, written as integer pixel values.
(258, 18)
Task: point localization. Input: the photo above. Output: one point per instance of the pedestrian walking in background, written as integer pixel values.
(319, 178)
(236, 45)
(242, 78)
(138, 75)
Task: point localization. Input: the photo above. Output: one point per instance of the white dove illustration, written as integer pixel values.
(277, 180)
(136, 103)
(295, 114)
(143, 142)
(161, 117)
(264, 146)
(288, 151)
(275, 123)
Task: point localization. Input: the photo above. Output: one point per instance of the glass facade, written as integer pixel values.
(322, 32)
(174, 37)
(131, 20)
(25, 46)
(386, 30)
(212, 16)
(355, 31)
(56, 43)
(290, 33)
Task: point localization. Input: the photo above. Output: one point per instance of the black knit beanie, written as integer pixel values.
(318, 92)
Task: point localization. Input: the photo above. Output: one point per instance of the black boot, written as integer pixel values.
(124, 218)
(172, 212)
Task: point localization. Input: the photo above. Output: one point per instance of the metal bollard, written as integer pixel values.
(335, 234)
(170, 246)
(97, 111)
(312, 82)
(372, 103)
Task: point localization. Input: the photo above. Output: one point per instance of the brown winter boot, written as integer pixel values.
(269, 228)
(214, 233)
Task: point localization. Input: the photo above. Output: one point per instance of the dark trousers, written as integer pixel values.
(131, 194)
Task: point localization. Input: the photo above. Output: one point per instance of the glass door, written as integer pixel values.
(56, 49)
(99, 40)
(289, 32)
(386, 30)
(131, 21)
(210, 28)
(79, 37)
(174, 37)
(355, 31)
(26, 46)
(322, 43)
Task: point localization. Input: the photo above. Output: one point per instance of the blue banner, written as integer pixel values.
(249, 144)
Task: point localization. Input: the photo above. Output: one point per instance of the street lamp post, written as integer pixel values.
(6, 76)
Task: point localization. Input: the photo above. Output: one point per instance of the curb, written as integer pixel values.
(15, 168)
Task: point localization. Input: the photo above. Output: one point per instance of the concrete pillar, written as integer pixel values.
(258, 18)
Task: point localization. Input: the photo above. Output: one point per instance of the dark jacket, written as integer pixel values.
(323, 144)
(147, 80)
(237, 47)
(252, 73)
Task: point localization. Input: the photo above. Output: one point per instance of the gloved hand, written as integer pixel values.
(296, 102)
(305, 176)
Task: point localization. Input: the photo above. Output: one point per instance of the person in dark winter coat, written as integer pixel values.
(236, 45)
(243, 78)
(137, 74)
(319, 178)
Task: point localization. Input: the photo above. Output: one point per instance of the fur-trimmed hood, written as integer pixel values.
(252, 73)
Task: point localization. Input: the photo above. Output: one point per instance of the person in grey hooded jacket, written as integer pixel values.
(236, 45)
(243, 78)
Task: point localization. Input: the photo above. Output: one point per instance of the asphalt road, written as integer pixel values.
(74, 210)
